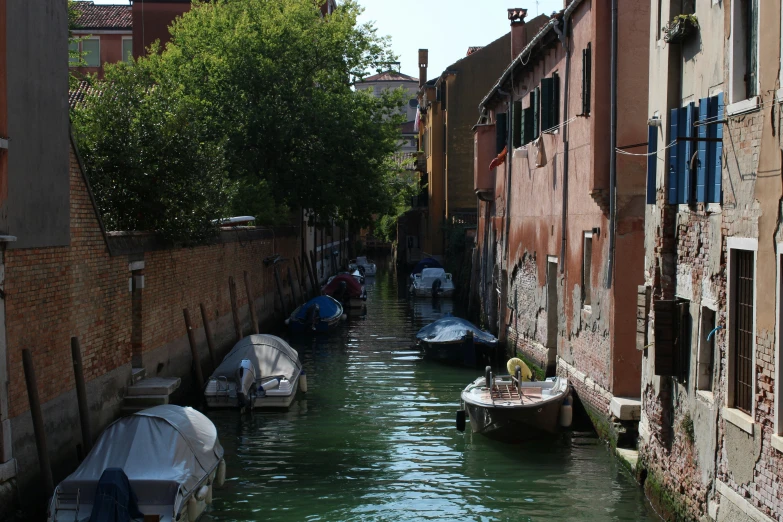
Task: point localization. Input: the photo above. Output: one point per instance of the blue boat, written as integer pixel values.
(319, 314)
(427, 262)
(455, 340)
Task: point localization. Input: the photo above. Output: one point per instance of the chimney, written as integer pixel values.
(423, 60)
(518, 30)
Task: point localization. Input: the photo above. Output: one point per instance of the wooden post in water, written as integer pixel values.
(38, 425)
(291, 284)
(316, 280)
(299, 280)
(194, 349)
(306, 262)
(81, 394)
(232, 291)
(251, 303)
(208, 333)
(280, 290)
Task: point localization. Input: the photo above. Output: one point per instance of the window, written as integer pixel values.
(659, 32)
(673, 333)
(127, 49)
(73, 53)
(550, 106)
(744, 49)
(587, 269)
(706, 357)
(741, 331)
(587, 71)
(695, 166)
(683, 341)
(535, 103)
(652, 162)
(91, 52)
(517, 113)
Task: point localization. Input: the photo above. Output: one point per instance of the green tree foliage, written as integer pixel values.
(260, 91)
(74, 57)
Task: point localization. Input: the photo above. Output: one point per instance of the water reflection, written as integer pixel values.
(374, 439)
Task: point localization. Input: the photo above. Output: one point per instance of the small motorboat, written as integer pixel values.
(456, 340)
(347, 290)
(367, 265)
(432, 282)
(260, 371)
(427, 262)
(510, 408)
(319, 314)
(157, 464)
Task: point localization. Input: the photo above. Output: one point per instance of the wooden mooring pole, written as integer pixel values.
(194, 349)
(299, 280)
(38, 424)
(306, 262)
(280, 290)
(291, 284)
(316, 279)
(81, 395)
(251, 303)
(208, 333)
(232, 291)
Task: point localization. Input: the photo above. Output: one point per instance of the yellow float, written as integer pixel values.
(512, 364)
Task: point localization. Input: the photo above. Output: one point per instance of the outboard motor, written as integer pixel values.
(342, 291)
(436, 287)
(246, 380)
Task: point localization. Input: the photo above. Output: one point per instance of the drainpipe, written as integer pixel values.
(613, 156)
(509, 156)
(563, 36)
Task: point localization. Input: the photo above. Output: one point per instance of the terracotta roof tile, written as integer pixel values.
(93, 16)
(76, 95)
(472, 50)
(390, 76)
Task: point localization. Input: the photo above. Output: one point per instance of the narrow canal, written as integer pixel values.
(374, 439)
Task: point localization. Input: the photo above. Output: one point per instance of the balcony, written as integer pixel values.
(484, 150)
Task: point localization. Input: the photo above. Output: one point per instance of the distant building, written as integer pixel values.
(390, 80)
(106, 34)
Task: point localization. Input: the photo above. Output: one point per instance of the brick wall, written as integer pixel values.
(82, 290)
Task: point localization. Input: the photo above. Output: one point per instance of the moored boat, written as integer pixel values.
(456, 340)
(347, 290)
(157, 464)
(260, 371)
(432, 282)
(427, 262)
(319, 314)
(510, 409)
(367, 265)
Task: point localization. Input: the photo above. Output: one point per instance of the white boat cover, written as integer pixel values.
(430, 275)
(165, 451)
(269, 354)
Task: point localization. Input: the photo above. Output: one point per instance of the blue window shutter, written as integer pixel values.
(715, 169)
(674, 116)
(701, 152)
(652, 162)
(685, 152)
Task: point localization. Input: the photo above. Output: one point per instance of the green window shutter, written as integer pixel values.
(536, 105)
(586, 78)
(555, 99)
(517, 112)
(527, 125)
(547, 94)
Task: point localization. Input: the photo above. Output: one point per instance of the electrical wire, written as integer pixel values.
(670, 145)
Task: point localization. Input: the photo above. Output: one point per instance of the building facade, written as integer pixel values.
(102, 34)
(711, 418)
(561, 225)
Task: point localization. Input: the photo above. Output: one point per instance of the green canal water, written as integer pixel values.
(374, 438)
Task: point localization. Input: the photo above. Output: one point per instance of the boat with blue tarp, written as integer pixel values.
(427, 262)
(456, 340)
(319, 314)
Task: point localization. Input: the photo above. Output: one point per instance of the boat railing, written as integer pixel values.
(66, 502)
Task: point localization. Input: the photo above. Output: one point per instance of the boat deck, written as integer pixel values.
(508, 391)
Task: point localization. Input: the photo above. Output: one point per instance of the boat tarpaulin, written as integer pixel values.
(269, 354)
(328, 308)
(453, 330)
(426, 263)
(352, 286)
(165, 451)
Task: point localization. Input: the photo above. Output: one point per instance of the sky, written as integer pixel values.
(446, 27)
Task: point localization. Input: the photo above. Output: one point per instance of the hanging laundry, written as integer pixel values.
(417, 119)
(501, 158)
(539, 152)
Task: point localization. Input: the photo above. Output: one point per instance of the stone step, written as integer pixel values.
(137, 374)
(146, 401)
(153, 386)
(626, 409)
